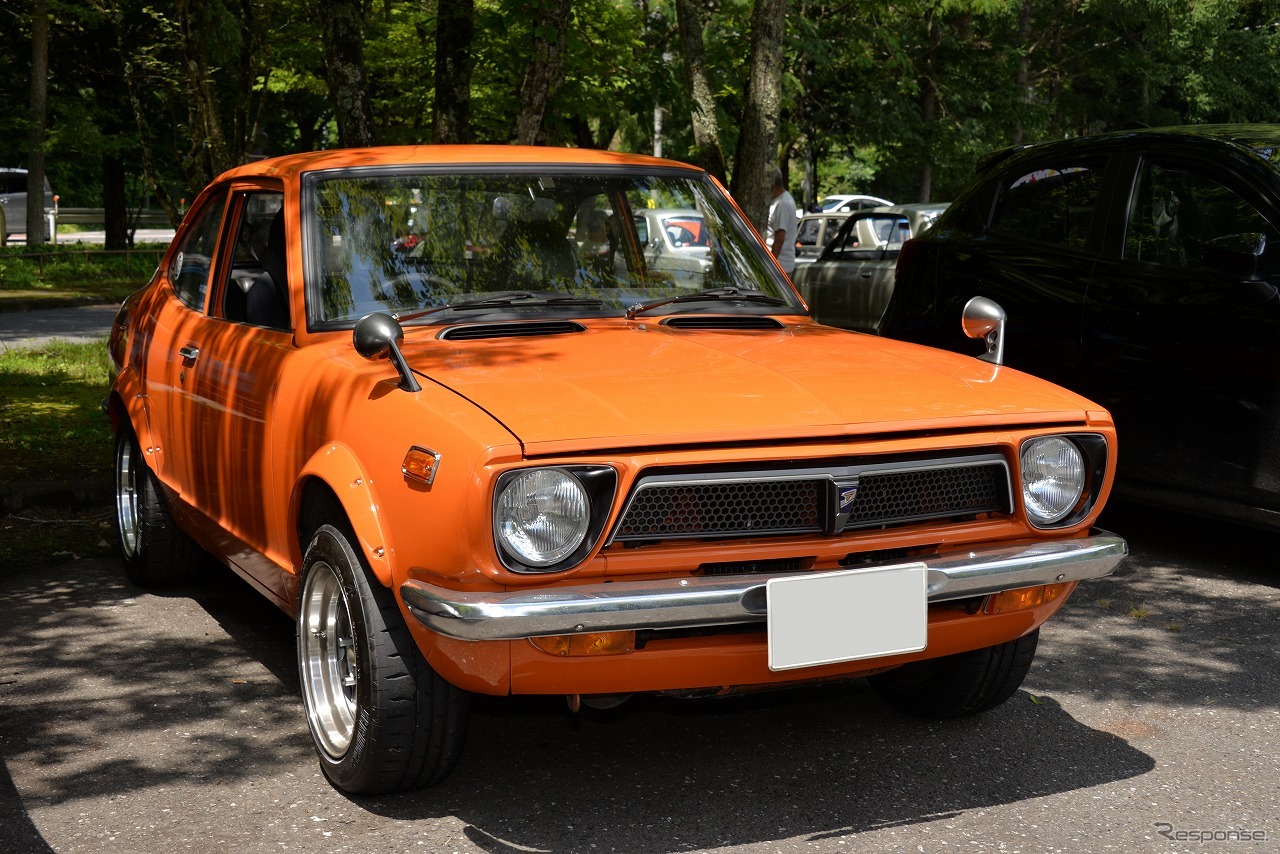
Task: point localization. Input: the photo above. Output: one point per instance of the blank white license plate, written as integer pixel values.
(845, 616)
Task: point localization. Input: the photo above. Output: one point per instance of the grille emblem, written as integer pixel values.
(846, 493)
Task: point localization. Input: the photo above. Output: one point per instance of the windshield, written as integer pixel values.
(404, 242)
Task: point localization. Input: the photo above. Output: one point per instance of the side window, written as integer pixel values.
(642, 230)
(189, 271)
(256, 290)
(1054, 204)
(868, 238)
(807, 235)
(843, 244)
(1181, 218)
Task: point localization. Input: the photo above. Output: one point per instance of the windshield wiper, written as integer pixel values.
(705, 296)
(521, 298)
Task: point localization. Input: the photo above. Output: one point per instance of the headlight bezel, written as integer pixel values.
(1093, 451)
(599, 483)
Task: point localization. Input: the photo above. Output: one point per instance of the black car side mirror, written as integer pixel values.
(1236, 254)
(985, 319)
(378, 336)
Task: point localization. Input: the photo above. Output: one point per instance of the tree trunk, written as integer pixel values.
(455, 27)
(146, 144)
(115, 209)
(209, 155)
(929, 118)
(546, 69)
(345, 72)
(39, 116)
(1022, 79)
(758, 136)
(702, 103)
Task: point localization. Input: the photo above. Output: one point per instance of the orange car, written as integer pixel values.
(485, 461)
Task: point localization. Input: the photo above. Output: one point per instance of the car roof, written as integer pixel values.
(290, 165)
(1261, 140)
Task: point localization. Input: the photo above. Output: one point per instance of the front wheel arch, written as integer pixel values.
(315, 501)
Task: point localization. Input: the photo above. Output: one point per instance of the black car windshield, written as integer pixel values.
(404, 242)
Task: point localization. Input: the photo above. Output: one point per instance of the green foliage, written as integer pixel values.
(67, 274)
(879, 94)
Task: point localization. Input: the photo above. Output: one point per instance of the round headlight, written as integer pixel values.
(1053, 479)
(541, 516)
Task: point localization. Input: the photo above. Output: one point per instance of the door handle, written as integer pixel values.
(189, 355)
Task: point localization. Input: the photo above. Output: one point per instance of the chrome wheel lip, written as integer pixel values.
(327, 656)
(127, 520)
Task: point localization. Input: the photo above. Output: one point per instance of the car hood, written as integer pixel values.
(647, 384)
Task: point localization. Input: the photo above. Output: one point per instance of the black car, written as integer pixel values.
(1140, 269)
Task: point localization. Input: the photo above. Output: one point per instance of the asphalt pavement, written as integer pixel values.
(134, 721)
(79, 325)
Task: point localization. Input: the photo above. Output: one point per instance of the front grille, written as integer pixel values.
(711, 509)
(774, 503)
(928, 493)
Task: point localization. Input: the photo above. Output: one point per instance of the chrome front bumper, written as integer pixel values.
(724, 600)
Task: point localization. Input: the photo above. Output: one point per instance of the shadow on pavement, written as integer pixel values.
(107, 689)
(1191, 618)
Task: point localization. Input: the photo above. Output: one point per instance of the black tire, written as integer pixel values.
(959, 685)
(382, 720)
(155, 551)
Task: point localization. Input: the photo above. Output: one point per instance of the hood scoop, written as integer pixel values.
(727, 321)
(515, 329)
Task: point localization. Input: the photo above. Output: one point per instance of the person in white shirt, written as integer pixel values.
(782, 224)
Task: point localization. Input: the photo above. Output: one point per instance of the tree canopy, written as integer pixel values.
(150, 99)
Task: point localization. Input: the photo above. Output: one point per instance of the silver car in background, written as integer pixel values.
(813, 233)
(850, 283)
(675, 241)
(13, 204)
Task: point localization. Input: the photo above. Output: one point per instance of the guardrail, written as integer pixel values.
(153, 254)
(97, 216)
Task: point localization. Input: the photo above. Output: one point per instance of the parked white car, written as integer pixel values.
(853, 203)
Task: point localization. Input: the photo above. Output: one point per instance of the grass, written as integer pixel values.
(51, 423)
(72, 274)
(53, 429)
(34, 537)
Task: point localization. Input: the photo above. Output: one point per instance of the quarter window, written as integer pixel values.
(868, 238)
(189, 271)
(1184, 219)
(1053, 204)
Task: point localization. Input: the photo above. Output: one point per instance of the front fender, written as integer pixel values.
(336, 465)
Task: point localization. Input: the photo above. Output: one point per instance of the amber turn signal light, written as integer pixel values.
(589, 643)
(1027, 597)
(420, 464)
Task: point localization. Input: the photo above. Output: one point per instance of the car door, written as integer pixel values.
(850, 283)
(171, 353)
(1181, 332)
(236, 354)
(1041, 239)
